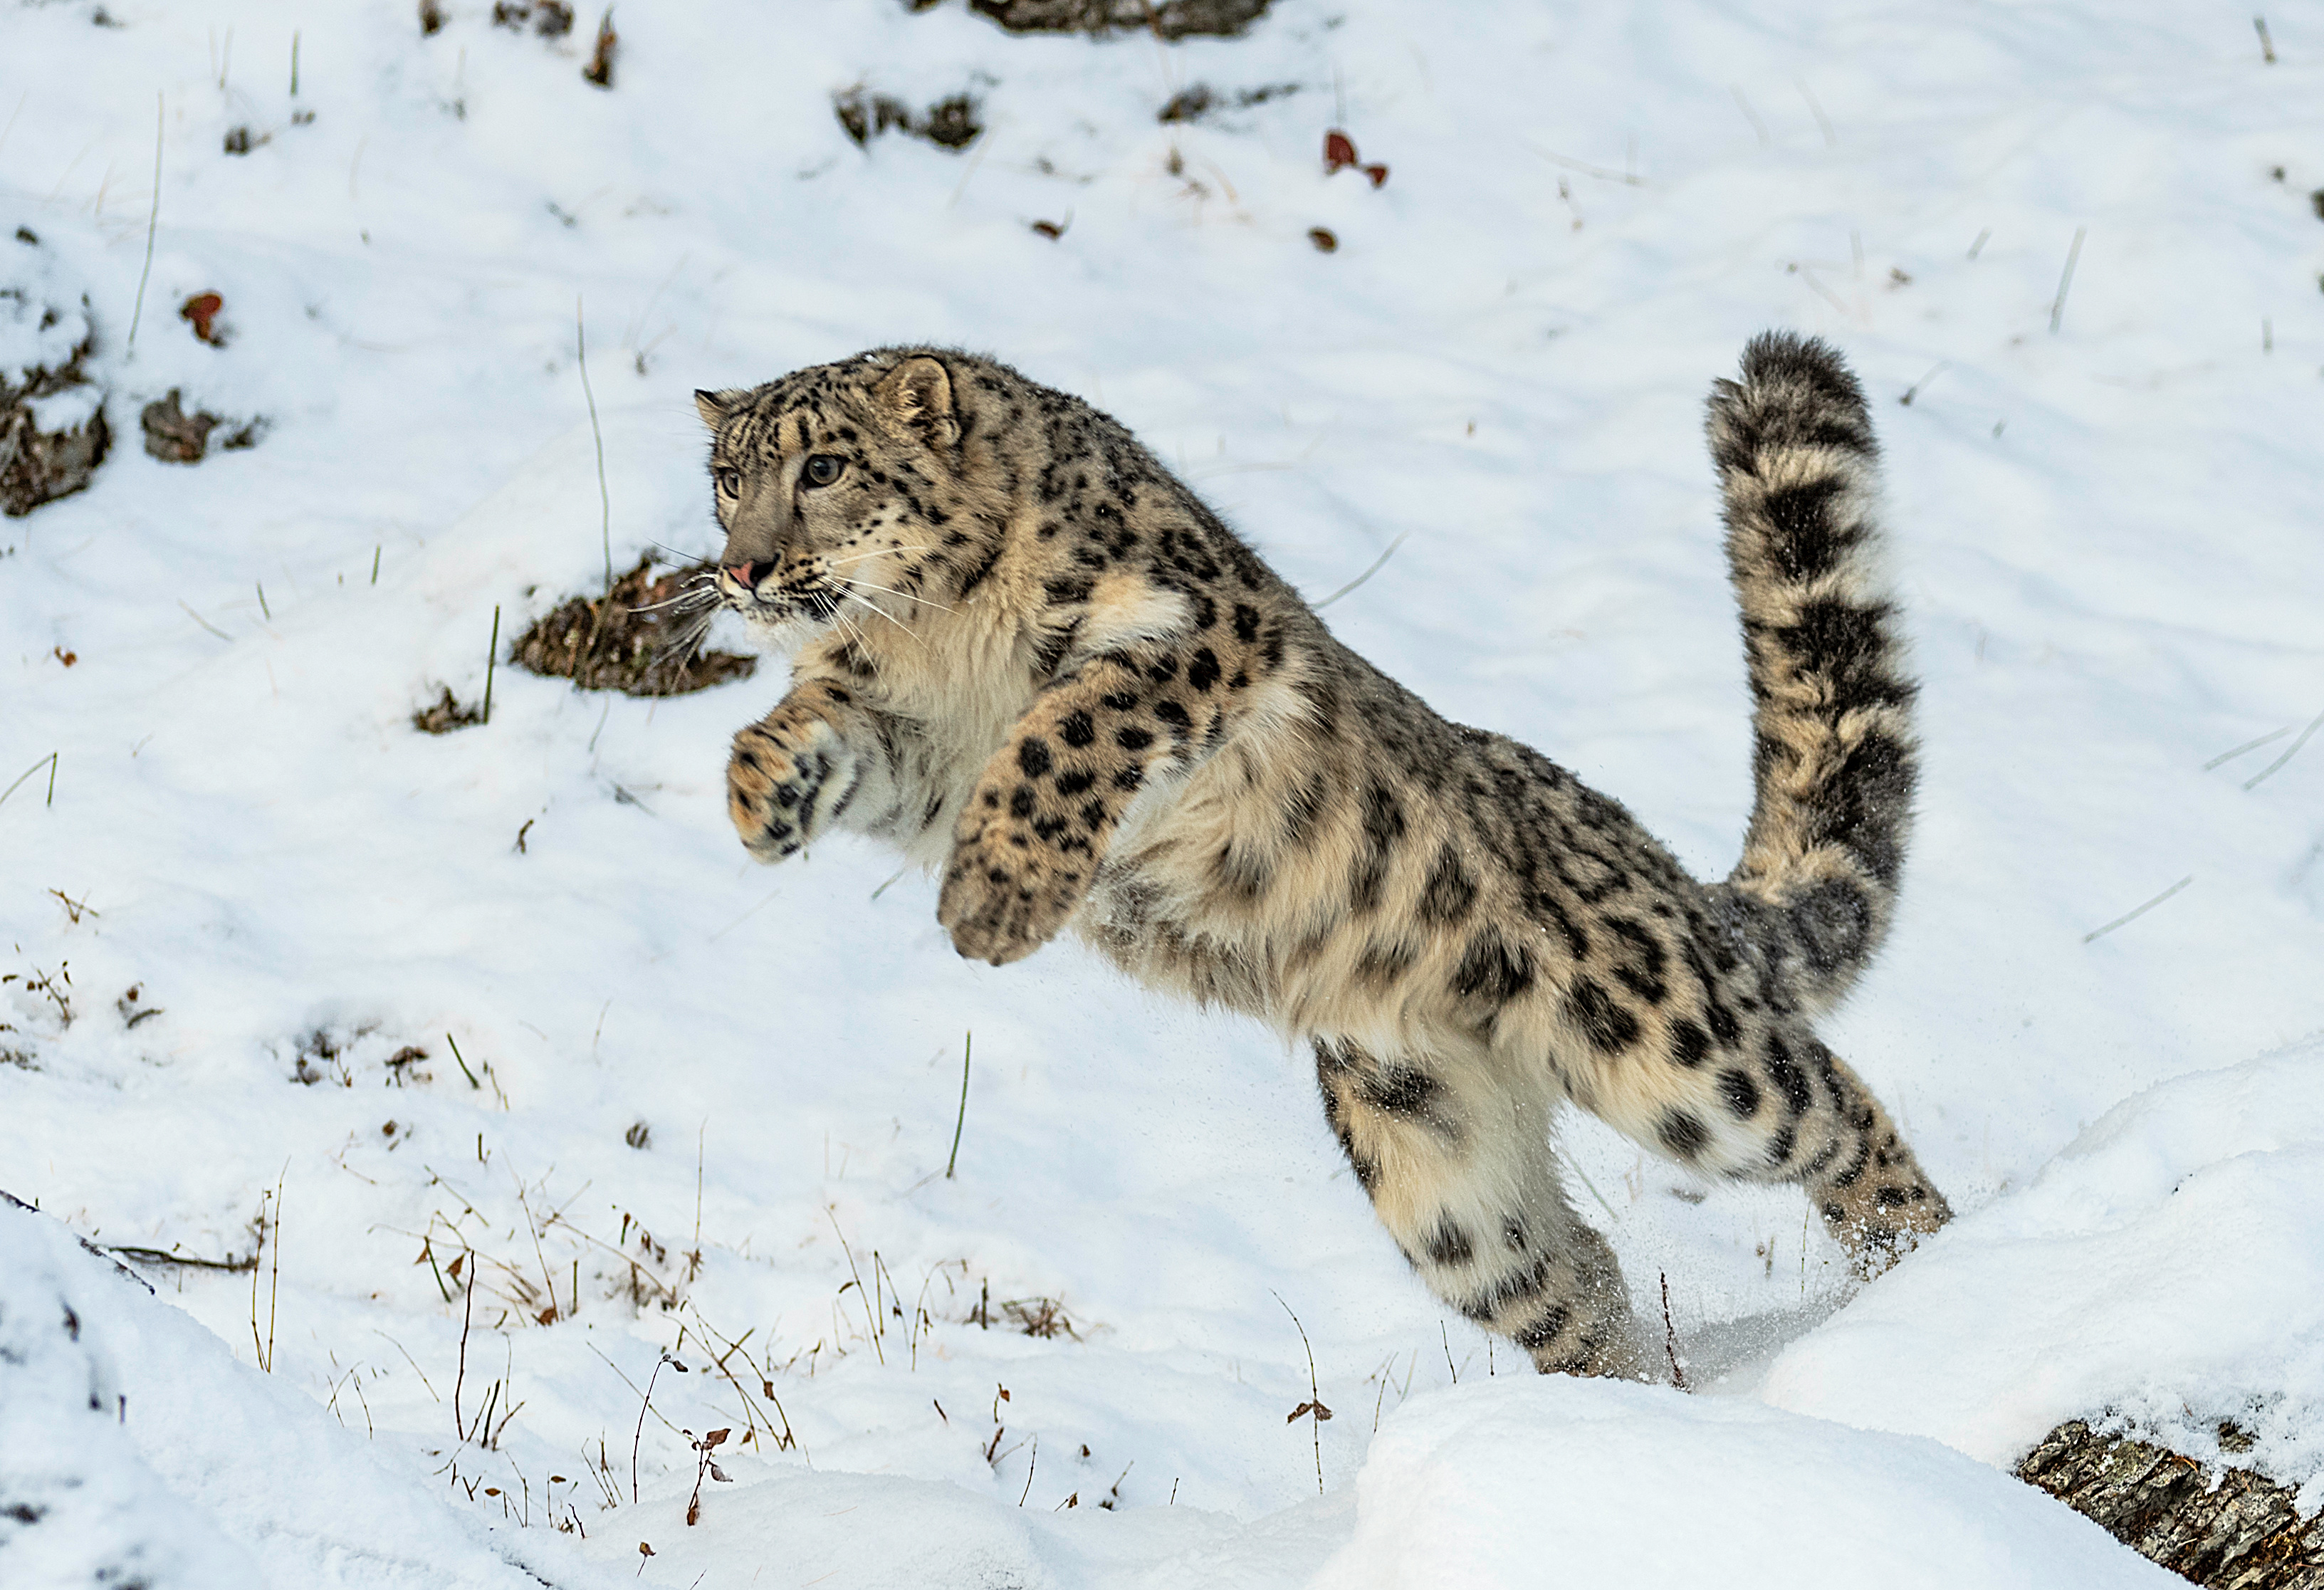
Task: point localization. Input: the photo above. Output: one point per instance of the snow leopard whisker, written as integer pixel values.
(890, 590)
(881, 552)
(873, 606)
(685, 601)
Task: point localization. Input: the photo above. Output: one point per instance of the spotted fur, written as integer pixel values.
(1031, 659)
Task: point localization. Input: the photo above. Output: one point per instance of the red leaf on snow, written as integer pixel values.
(202, 311)
(1378, 175)
(1339, 150)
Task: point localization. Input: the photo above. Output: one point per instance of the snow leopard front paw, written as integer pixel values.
(1006, 893)
(786, 780)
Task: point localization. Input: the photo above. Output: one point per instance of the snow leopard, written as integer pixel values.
(1030, 658)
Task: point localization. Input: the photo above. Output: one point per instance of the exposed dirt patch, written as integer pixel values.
(950, 123)
(2227, 1527)
(445, 714)
(551, 18)
(640, 642)
(52, 428)
(1169, 19)
(176, 437)
(1194, 104)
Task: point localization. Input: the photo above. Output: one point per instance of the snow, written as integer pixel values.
(134, 1449)
(1559, 1481)
(2165, 1263)
(2108, 564)
(41, 322)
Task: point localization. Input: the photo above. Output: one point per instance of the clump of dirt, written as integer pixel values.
(1171, 18)
(600, 69)
(445, 714)
(176, 437)
(551, 18)
(950, 123)
(641, 640)
(52, 428)
(1193, 104)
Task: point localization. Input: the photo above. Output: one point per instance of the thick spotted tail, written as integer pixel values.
(1833, 758)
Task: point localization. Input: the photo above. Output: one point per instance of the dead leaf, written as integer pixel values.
(202, 311)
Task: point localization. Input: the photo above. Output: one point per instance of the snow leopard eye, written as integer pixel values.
(730, 482)
(822, 469)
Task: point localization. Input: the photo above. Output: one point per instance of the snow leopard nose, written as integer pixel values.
(749, 575)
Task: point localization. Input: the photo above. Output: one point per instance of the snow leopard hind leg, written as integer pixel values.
(1454, 1153)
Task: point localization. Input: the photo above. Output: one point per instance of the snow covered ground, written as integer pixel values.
(696, 1132)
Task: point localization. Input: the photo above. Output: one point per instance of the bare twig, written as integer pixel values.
(766, 1386)
(205, 623)
(49, 762)
(274, 1282)
(2132, 916)
(185, 1260)
(1376, 565)
(1830, 137)
(2266, 44)
(471, 1075)
(467, 1317)
(1628, 179)
(1313, 1410)
(152, 221)
(2249, 745)
(1914, 391)
(2289, 751)
(492, 655)
(2066, 281)
(639, 1435)
(604, 498)
(1670, 1338)
(870, 1314)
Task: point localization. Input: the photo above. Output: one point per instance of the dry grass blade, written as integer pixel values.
(1313, 1410)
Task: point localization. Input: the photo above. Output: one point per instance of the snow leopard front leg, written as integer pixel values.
(818, 757)
(1046, 805)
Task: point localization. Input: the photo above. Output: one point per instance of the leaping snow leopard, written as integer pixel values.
(1029, 656)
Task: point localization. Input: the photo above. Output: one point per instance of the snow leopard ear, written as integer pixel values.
(715, 406)
(916, 395)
